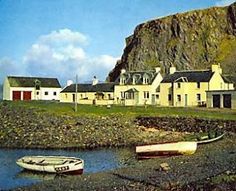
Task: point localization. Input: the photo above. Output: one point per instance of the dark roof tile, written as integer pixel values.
(189, 76)
(100, 87)
(16, 81)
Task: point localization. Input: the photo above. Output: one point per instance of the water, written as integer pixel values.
(12, 176)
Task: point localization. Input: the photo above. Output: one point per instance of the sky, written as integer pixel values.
(65, 38)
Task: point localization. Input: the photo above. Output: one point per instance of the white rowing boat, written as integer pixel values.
(52, 164)
(166, 149)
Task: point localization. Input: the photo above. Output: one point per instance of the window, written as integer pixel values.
(54, 93)
(37, 87)
(179, 98)
(157, 96)
(37, 84)
(198, 84)
(145, 80)
(146, 94)
(135, 79)
(45, 93)
(37, 93)
(122, 80)
(169, 97)
(129, 95)
(66, 96)
(122, 95)
(198, 97)
(178, 85)
(109, 96)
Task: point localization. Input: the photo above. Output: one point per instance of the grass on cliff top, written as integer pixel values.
(92, 110)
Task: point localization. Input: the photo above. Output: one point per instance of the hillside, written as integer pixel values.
(191, 40)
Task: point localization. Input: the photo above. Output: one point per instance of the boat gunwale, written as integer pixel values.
(211, 140)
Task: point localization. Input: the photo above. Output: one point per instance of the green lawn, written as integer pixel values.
(91, 110)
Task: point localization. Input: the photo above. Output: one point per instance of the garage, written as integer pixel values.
(221, 99)
(16, 95)
(27, 95)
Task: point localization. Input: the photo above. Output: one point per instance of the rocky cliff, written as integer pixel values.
(191, 40)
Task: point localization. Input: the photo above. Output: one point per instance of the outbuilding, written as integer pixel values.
(31, 88)
(221, 99)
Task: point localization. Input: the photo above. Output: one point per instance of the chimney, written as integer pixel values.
(95, 80)
(216, 68)
(172, 70)
(69, 82)
(122, 71)
(157, 69)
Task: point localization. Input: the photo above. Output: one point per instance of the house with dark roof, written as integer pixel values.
(138, 87)
(188, 88)
(31, 88)
(91, 93)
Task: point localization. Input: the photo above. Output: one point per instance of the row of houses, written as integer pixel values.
(178, 88)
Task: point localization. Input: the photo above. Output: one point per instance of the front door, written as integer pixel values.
(186, 100)
(153, 99)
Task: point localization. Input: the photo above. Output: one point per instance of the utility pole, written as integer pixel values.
(76, 90)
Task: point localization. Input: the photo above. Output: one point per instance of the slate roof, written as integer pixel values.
(100, 87)
(189, 76)
(139, 75)
(16, 81)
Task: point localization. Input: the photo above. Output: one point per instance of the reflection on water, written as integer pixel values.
(37, 175)
(12, 176)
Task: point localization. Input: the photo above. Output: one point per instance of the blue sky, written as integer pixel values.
(62, 38)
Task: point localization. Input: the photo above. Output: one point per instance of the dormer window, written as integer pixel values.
(135, 79)
(122, 80)
(146, 79)
(37, 84)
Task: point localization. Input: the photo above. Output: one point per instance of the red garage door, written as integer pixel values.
(27, 95)
(16, 95)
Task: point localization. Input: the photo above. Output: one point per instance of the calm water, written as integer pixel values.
(12, 176)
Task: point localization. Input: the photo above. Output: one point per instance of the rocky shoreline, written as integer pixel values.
(212, 167)
(28, 128)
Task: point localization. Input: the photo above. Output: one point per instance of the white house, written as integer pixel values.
(31, 88)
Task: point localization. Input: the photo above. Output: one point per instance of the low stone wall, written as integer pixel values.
(182, 124)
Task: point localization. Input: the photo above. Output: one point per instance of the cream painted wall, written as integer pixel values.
(141, 89)
(217, 83)
(188, 94)
(87, 98)
(6, 90)
(188, 91)
(165, 90)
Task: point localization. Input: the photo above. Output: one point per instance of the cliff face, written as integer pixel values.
(192, 40)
